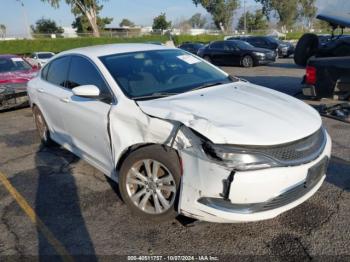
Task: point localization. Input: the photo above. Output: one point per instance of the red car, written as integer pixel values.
(15, 72)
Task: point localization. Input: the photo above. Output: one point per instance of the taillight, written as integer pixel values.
(311, 75)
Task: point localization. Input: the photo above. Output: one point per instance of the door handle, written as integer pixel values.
(64, 100)
(41, 90)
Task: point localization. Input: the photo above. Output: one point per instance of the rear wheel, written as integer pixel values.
(149, 182)
(305, 48)
(247, 61)
(41, 126)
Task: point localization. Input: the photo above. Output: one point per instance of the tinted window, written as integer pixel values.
(217, 45)
(57, 73)
(45, 55)
(44, 72)
(83, 72)
(13, 64)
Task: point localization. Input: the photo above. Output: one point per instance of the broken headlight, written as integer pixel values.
(238, 158)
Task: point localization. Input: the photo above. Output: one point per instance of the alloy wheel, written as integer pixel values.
(151, 186)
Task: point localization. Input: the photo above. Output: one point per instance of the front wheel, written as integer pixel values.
(149, 182)
(247, 61)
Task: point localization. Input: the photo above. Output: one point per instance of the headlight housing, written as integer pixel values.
(238, 159)
(259, 54)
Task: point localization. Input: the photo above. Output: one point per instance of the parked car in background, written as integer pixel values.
(323, 46)
(283, 49)
(41, 58)
(179, 135)
(191, 47)
(236, 52)
(15, 72)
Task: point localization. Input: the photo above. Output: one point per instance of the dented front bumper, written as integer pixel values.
(253, 195)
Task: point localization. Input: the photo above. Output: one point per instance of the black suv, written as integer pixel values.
(283, 49)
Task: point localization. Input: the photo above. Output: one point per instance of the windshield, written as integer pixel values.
(147, 73)
(13, 64)
(45, 55)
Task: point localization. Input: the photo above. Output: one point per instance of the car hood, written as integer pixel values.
(238, 113)
(17, 76)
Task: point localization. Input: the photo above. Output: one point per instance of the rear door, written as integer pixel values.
(86, 120)
(217, 52)
(232, 53)
(50, 92)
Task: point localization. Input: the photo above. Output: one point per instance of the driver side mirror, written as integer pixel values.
(89, 91)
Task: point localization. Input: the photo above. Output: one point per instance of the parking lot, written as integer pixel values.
(74, 209)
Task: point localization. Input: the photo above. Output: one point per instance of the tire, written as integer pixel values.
(41, 126)
(207, 58)
(143, 191)
(247, 61)
(306, 47)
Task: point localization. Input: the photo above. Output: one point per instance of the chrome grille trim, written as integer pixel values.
(293, 153)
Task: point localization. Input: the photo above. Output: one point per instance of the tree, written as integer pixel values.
(46, 26)
(197, 21)
(87, 8)
(286, 11)
(220, 10)
(160, 22)
(2, 30)
(126, 22)
(307, 11)
(82, 24)
(255, 21)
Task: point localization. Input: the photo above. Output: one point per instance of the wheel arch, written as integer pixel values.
(125, 153)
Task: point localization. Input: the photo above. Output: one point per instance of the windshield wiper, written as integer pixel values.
(154, 95)
(207, 85)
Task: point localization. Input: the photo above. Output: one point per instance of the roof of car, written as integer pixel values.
(8, 56)
(109, 49)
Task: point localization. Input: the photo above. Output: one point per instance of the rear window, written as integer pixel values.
(45, 55)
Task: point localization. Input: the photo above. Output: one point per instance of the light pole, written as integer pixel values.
(245, 17)
(25, 18)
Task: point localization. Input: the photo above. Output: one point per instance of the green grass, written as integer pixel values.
(57, 45)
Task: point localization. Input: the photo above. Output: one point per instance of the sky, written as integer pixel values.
(141, 12)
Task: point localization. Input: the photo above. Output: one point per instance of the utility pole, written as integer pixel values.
(245, 18)
(25, 18)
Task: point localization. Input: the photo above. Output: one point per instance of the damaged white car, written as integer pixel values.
(179, 135)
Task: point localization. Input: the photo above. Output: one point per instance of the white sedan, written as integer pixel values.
(179, 135)
(41, 58)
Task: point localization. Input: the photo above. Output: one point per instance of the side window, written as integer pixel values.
(217, 45)
(83, 72)
(44, 72)
(57, 72)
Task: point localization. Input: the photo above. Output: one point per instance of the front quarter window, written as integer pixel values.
(171, 71)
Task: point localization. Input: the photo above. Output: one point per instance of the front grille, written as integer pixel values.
(294, 153)
(301, 151)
